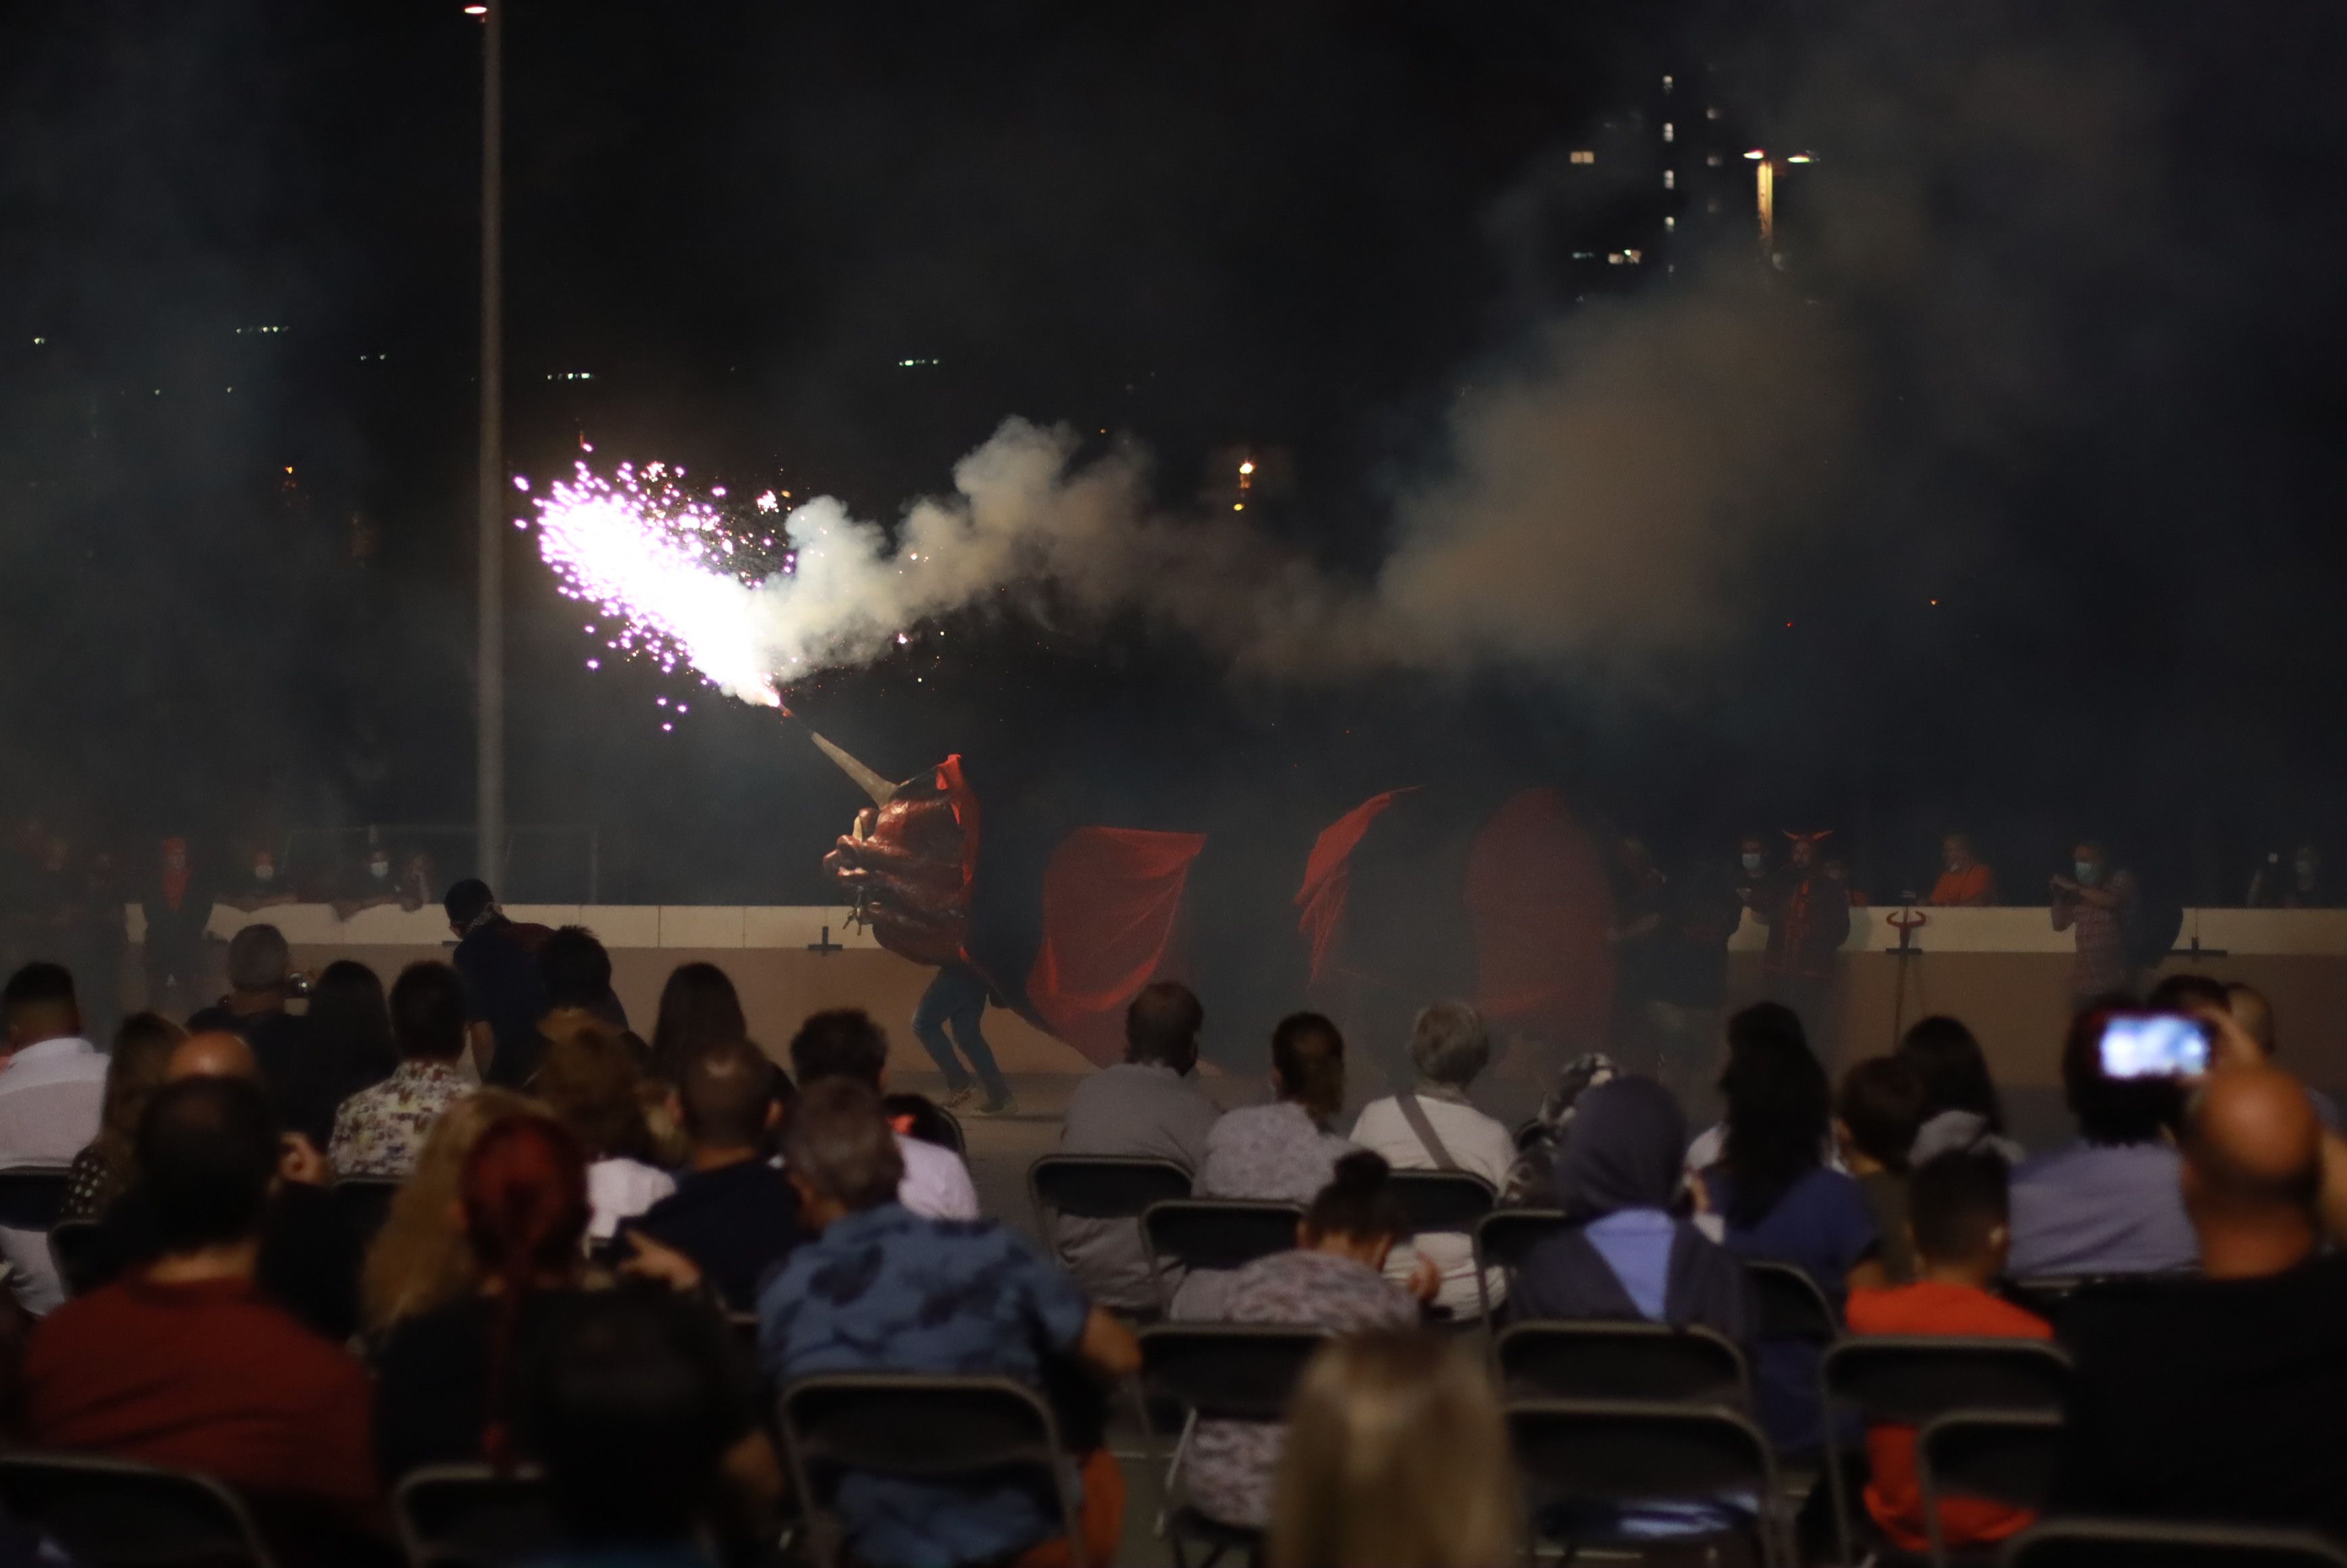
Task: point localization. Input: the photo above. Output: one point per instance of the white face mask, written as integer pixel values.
(379, 869)
(263, 871)
(1752, 864)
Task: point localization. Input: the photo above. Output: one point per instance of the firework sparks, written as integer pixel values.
(665, 568)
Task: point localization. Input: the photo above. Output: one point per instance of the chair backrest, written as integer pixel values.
(464, 1515)
(1216, 1233)
(1789, 1304)
(365, 1202)
(1527, 1132)
(1230, 1371)
(1102, 1186)
(33, 1195)
(2004, 1456)
(1622, 1451)
(109, 1514)
(1908, 1380)
(1441, 1199)
(920, 1429)
(1504, 1236)
(74, 1250)
(2137, 1544)
(1650, 1362)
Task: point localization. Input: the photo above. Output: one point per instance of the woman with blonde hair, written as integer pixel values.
(420, 1258)
(591, 1082)
(1396, 1458)
(134, 1070)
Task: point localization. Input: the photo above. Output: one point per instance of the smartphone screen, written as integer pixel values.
(2154, 1045)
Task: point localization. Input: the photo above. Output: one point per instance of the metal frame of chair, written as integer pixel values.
(1618, 1434)
(1267, 1360)
(895, 1435)
(1964, 1444)
(427, 1548)
(22, 1474)
(1928, 1375)
(2232, 1546)
(1503, 1237)
(1709, 1368)
(1175, 1210)
(1789, 1305)
(1442, 1201)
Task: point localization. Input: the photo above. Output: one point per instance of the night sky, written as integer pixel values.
(2074, 269)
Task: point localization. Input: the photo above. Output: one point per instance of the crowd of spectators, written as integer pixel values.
(602, 1256)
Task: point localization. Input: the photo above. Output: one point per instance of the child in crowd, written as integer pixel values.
(1875, 1120)
(1959, 1224)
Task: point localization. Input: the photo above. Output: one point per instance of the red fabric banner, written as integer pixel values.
(1540, 909)
(1111, 897)
(1328, 877)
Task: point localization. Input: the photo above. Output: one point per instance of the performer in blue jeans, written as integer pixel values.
(956, 1001)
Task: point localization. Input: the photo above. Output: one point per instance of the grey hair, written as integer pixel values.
(839, 1142)
(258, 958)
(1449, 1044)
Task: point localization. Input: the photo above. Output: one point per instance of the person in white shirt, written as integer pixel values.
(1433, 1128)
(52, 1094)
(844, 1043)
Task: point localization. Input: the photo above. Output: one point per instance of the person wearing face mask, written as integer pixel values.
(2094, 902)
(1808, 916)
(2297, 884)
(261, 887)
(178, 903)
(1751, 867)
(371, 886)
(1965, 879)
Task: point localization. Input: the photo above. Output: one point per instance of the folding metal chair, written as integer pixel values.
(110, 1513)
(1099, 1187)
(2003, 1456)
(1789, 1305)
(1503, 1238)
(913, 1428)
(469, 1516)
(1615, 1453)
(1441, 1199)
(1910, 1380)
(2139, 1543)
(1218, 1371)
(1649, 1362)
(1197, 1234)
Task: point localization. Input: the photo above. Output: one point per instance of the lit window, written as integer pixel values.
(1670, 180)
(1579, 156)
(1670, 132)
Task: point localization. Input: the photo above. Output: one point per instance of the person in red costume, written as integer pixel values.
(1808, 916)
(908, 864)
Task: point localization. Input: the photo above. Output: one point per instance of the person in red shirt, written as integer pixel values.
(1965, 879)
(1956, 1211)
(184, 1363)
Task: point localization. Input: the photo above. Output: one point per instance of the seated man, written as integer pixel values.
(2110, 1203)
(1148, 1105)
(51, 1094)
(184, 1363)
(732, 1212)
(846, 1043)
(1956, 1215)
(2217, 1398)
(378, 1132)
(883, 1290)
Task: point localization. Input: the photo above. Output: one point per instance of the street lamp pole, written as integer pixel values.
(489, 695)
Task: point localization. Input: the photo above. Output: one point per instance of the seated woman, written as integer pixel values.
(1335, 1280)
(591, 1082)
(447, 1378)
(1434, 1128)
(1629, 1258)
(1776, 1198)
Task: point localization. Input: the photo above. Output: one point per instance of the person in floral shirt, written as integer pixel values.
(378, 1132)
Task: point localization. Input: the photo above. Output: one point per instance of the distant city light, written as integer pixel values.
(39, 341)
(1755, 155)
(477, 10)
(1247, 466)
(916, 364)
(572, 376)
(1238, 506)
(1802, 157)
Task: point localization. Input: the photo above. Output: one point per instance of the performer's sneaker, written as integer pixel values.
(959, 1097)
(1006, 1106)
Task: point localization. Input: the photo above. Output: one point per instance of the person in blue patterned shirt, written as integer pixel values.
(883, 1290)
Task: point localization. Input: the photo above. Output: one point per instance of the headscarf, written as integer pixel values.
(1625, 1153)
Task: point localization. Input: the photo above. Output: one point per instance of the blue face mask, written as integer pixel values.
(2086, 872)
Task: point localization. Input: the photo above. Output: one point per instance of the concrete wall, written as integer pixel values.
(2002, 971)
